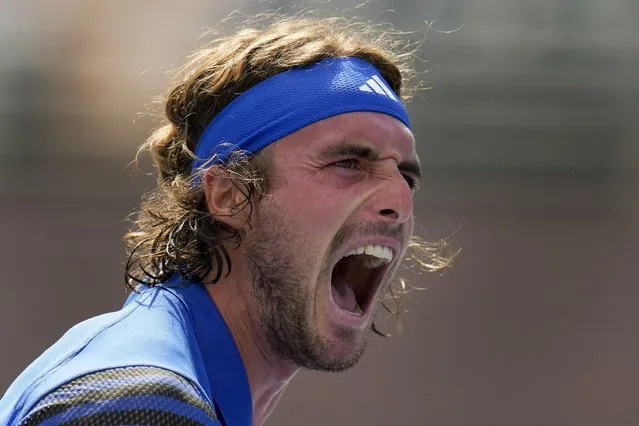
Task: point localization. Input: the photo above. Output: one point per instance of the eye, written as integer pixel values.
(350, 163)
(412, 182)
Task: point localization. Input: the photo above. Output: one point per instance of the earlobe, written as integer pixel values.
(223, 198)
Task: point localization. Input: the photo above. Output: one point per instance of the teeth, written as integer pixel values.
(376, 255)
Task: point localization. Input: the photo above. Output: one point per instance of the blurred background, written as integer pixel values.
(530, 142)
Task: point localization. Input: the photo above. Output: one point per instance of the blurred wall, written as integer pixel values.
(529, 139)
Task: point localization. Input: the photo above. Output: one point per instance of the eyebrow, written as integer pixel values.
(358, 150)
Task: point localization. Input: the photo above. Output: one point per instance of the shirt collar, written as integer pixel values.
(224, 366)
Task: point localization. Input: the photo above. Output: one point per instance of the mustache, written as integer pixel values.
(364, 229)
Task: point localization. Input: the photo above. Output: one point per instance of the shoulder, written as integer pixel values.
(130, 395)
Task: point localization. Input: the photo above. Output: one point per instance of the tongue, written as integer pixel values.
(343, 294)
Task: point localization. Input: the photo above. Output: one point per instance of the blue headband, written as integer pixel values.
(293, 99)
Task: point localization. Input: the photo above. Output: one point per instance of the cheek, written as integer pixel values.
(410, 225)
(408, 233)
(317, 209)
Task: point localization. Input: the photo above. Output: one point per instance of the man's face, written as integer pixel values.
(330, 234)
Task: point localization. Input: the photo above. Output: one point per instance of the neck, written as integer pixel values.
(268, 374)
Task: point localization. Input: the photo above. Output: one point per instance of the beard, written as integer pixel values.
(285, 295)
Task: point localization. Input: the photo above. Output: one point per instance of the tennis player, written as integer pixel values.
(283, 209)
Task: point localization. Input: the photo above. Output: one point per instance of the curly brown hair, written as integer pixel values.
(173, 231)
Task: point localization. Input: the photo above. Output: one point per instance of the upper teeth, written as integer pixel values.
(382, 253)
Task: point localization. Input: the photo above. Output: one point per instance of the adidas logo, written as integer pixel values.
(375, 84)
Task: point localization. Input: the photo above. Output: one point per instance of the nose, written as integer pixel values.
(393, 201)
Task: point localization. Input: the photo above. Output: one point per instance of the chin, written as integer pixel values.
(341, 350)
(341, 342)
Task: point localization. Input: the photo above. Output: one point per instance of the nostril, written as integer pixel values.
(389, 213)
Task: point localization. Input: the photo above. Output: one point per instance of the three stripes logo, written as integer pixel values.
(377, 85)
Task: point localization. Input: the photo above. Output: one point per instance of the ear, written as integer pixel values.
(223, 198)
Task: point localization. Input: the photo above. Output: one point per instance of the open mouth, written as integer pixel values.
(357, 276)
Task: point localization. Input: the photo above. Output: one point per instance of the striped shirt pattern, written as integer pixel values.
(124, 396)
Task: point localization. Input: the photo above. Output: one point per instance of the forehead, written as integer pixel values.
(383, 133)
